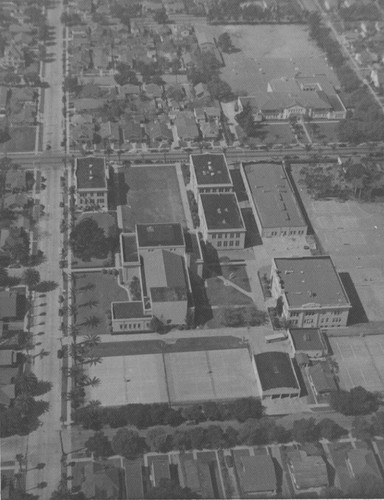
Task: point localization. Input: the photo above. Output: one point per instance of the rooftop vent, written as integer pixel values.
(219, 210)
(224, 221)
(150, 229)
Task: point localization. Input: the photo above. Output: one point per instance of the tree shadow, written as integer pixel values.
(279, 475)
(357, 313)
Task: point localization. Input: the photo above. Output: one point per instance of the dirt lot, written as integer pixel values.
(353, 234)
(266, 52)
(22, 140)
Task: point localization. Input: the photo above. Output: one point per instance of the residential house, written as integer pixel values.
(152, 90)
(158, 132)
(201, 91)
(13, 57)
(257, 476)
(159, 468)
(307, 472)
(88, 104)
(197, 475)
(276, 376)
(16, 201)
(91, 182)
(132, 131)
(104, 82)
(210, 130)
(321, 379)
(110, 131)
(377, 77)
(186, 127)
(362, 461)
(311, 292)
(82, 135)
(3, 101)
(331, 4)
(99, 479)
(205, 41)
(128, 89)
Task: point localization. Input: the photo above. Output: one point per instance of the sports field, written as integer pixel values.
(153, 196)
(266, 52)
(174, 377)
(353, 234)
(360, 361)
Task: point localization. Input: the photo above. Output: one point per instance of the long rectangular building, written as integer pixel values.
(273, 201)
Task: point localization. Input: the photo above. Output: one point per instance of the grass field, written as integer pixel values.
(274, 133)
(153, 196)
(266, 52)
(94, 293)
(219, 294)
(353, 234)
(322, 132)
(22, 140)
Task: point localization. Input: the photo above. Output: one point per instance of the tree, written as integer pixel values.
(92, 322)
(358, 401)
(329, 429)
(46, 286)
(211, 411)
(244, 408)
(31, 277)
(305, 430)
(126, 75)
(99, 445)
(161, 16)
(362, 428)
(128, 443)
(135, 288)
(214, 437)
(225, 43)
(88, 240)
(220, 90)
(170, 489)
(158, 439)
(378, 423)
(366, 486)
(157, 325)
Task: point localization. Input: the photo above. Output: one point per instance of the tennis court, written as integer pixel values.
(174, 377)
(129, 379)
(360, 361)
(210, 375)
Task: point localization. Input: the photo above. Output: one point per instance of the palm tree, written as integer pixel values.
(91, 303)
(92, 322)
(91, 340)
(90, 382)
(94, 360)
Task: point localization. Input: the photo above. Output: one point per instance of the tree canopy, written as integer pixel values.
(88, 240)
(358, 401)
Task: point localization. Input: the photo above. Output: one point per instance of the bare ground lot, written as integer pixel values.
(22, 140)
(266, 52)
(153, 196)
(353, 234)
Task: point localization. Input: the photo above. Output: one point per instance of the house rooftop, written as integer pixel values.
(160, 235)
(307, 339)
(133, 479)
(322, 378)
(311, 282)
(273, 195)
(91, 173)
(309, 471)
(126, 310)
(211, 169)
(222, 211)
(362, 461)
(275, 370)
(258, 474)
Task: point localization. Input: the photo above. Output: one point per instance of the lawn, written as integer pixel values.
(94, 293)
(219, 294)
(109, 223)
(267, 52)
(217, 317)
(22, 140)
(153, 196)
(322, 132)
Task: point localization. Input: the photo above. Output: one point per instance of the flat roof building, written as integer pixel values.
(210, 174)
(276, 375)
(310, 341)
(311, 292)
(273, 201)
(167, 236)
(221, 220)
(91, 183)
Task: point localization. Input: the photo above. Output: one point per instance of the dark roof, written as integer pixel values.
(222, 211)
(13, 303)
(311, 280)
(160, 464)
(275, 370)
(322, 378)
(126, 310)
(211, 169)
(90, 173)
(307, 339)
(160, 235)
(258, 475)
(273, 196)
(363, 461)
(133, 479)
(129, 247)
